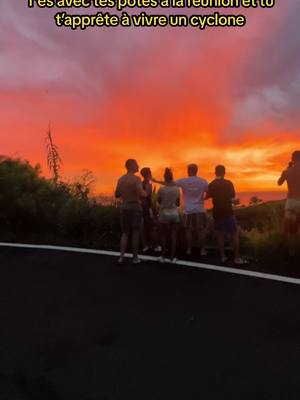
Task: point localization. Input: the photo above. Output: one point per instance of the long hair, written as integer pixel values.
(168, 175)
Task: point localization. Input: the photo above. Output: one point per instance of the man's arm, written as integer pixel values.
(118, 191)
(159, 182)
(208, 194)
(232, 193)
(178, 182)
(282, 179)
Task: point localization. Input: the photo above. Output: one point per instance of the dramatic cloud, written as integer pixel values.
(166, 96)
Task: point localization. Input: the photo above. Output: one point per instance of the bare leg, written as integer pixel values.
(189, 237)
(201, 241)
(135, 243)
(236, 247)
(173, 241)
(163, 239)
(221, 245)
(123, 244)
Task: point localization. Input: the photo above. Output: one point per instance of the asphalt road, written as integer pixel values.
(79, 327)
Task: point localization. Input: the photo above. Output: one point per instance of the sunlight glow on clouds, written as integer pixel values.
(167, 97)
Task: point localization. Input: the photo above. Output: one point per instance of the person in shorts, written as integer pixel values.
(130, 190)
(292, 207)
(194, 189)
(222, 193)
(168, 198)
(149, 231)
(194, 213)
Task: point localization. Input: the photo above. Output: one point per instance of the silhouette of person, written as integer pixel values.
(168, 198)
(291, 175)
(130, 190)
(222, 193)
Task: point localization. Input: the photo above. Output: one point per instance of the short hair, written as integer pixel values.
(220, 170)
(130, 163)
(145, 172)
(168, 175)
(193, 169)
(296, 156)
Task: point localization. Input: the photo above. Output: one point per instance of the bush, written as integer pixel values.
(33, 208)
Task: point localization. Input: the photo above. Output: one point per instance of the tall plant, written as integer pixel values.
(54, 160)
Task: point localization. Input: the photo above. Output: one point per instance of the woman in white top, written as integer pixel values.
(168, 198)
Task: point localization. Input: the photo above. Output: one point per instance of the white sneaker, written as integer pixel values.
(146, 248)
(157, 249)
(161, 260)
(136, 260)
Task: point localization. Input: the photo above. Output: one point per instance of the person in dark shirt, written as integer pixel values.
(149, 232)
(292, 208)
(222, 193)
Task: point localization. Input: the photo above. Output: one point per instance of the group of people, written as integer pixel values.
(138, 216)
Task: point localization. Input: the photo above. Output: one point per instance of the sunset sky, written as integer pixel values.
(164, 96)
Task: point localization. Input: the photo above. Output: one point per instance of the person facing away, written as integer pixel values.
(194, 189)
(130, 190)
(222, 193)
(292, 208)
(148, 232)
(168, 198)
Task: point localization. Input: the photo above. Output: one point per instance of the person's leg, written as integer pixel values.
(145, 232)
(202, 234)
(155, 238)
(220, 236)
(235, 242)
(189, 238)
(144, 241)
(136, 226)
(202, 237)
(163, 239)
(123, 245)
(135, 244)
(291, 226)
(125, 233)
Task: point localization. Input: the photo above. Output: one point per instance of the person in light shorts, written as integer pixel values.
(168, 198)
(292, 208)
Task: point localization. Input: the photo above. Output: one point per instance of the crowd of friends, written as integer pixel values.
(159, 230)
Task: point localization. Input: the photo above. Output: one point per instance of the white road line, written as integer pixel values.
(235, 271)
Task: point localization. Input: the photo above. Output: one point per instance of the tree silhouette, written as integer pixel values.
(254, 201)
(54, 160)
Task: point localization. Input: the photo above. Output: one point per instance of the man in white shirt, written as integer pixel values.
(194, 189)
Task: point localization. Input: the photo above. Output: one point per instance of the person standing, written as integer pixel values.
(168, 198)
(292, 208)
(130, 190)
(222, 193)
(149, 229)
(194, 189)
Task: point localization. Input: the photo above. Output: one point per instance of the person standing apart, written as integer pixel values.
(292, 208)
(168, 198)
(222, 193)
(130, 190)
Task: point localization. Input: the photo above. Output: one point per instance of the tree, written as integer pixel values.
(54, 160)
(254, 201)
